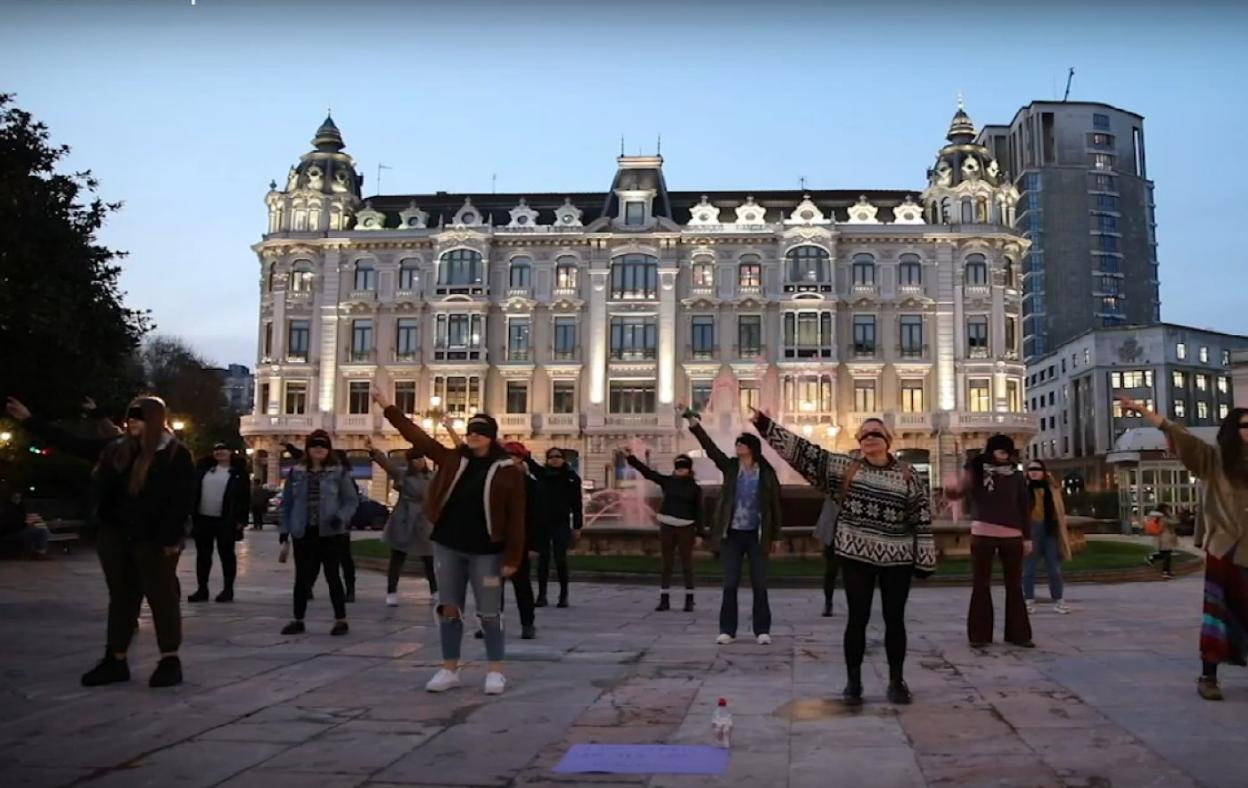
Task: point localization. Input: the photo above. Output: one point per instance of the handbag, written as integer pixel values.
(825, 528)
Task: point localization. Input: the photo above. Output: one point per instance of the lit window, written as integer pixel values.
(750, 272)
(296, 397)
(358, 401)
(1202, 410)
(864, 396)
(748, 395)
(566, 274)
(563, 397)
(517, 396)
(980, 398)
(1204, 354)
(1180, 409)
(1180, 350)
(911, 396)
(1179, 379)
(703, 273)
(1224, 384)
(1202, 382)
(1223, 410)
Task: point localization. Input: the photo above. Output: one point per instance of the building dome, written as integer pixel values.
(326, 169)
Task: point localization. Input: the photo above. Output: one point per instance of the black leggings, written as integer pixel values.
(345, 560)
(210, 532)
(560, 539)
(397, 557)
(311, 552)
(860, 580)
(831, 564)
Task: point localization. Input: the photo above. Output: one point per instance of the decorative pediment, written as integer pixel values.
(970, 169)
(412, 218)
(703, 214)
(567, 215)
(564, 304)
(863, 212)
(909, 212)
(468, 215)
(750, 212)
(523, 215)
(701, 302)
(369, 219)
(807, 212)
(518, 305)
(943, 174)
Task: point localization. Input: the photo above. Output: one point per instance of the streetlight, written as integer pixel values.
(833, 431)
(178, 425)
(807, 430)
(5, 437)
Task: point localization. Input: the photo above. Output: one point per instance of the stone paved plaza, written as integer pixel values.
(1108, 698)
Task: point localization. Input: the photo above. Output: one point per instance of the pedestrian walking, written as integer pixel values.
(882, 537)
(220, 516)
(680, 515)
(477, 506)
(407, 531)
(260, 497)
(1050, 538)
(746, 525)
(317, 506)
(564, 515)
(1163, 525)
(142, 491)
(826, 524)
(1224, 532)
(1000, 512)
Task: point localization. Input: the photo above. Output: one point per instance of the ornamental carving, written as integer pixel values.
(863, 212)
(909, 212)
(703, 214)
(806, 212)
(523, 215)
(567, 215)
(468, 215)
(369, 219)
(750, 213)
(412, 218)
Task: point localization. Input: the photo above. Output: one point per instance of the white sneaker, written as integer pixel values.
(764, 640)
(443, 680)
(1060, 607)
(495, 683)
(724, 640)
(392, 600)
(1031, 607)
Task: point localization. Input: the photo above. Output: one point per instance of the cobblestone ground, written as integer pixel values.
(1108, 698)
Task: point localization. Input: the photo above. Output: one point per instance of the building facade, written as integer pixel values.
(1184, 373)
(582, 320)
(1086, 205)
(239, 388)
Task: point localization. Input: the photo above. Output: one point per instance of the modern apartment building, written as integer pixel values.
(1086, 205)
(581, 319)
(1182, 372)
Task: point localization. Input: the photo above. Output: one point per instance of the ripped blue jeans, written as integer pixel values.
(455, 571)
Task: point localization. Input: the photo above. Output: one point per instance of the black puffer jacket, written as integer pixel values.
(561, 494)
(162, 508)
(234, 509)
(682, 496)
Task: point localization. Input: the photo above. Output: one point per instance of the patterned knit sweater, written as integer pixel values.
(886, 517)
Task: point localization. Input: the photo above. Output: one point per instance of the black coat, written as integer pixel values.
(682, 495)
(236, 507)
(561, 496)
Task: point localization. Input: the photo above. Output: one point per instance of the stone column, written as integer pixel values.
(327, 307)
(596, 343)
(667, 338)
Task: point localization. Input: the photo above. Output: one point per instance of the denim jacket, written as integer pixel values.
(339, 499)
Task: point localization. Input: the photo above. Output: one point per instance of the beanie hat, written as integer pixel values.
(999, 442)
(516, 447)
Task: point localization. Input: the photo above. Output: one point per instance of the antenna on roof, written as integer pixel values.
(621, 144)
(381, 167)
(802, 183)
(658, 146)
(1069, 78)
(493, 182)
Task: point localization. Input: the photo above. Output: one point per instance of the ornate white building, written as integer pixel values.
(579, 320)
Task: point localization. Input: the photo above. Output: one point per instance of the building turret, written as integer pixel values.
(322, 191)
(966, 186)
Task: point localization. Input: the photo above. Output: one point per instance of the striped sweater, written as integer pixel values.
(886, 517)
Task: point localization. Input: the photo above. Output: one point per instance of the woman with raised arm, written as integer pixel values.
(1224, 471)
(141, 496)
(476, 503)
(883, 537)
(679, 521)
(746, 525)
(407, 530)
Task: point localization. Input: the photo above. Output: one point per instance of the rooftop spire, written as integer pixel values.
(328, 138)
(961, 128)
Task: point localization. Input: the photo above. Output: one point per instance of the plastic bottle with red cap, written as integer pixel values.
(721, 725)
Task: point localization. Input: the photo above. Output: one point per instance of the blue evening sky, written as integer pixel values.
(186, 112)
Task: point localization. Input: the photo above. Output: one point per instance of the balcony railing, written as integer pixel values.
(864, 351)
(519, 354)
(361, 356)
(572, 354)
(912, 351)
(979, 351)
(809, 351)
(356, 422)
(749, 351)
(631, 420)
(702, 290)
(407, 293)
(515, 422)
(407, 356)
(469, 288)
(459, 353)
(264, 423)
(864, 290)
(633, 354)
(977, 291)
(362, 295)
(567, 292)
(561, 421)
(701, 354)
(750, 291)
(297, 357)
(910, 290)
(298, 295)
(914, 421)
(808, 287)
(520, 292)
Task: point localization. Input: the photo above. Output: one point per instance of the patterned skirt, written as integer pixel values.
(1224, 629)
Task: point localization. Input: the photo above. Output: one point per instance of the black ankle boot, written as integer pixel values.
(563, 600)
(827, 608)
(899, 693)
(226, 596)
(688, 603)
(168, 673)
(350, 597)
(541, 600)
(853, 688)
(109, 670)
(665, 603)
(199, 596)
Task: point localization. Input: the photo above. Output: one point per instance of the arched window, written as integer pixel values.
(1009, 273)
(521, 273)
(864, 270)
(910, 271)
(271, 282)
(807, 265)
(301, 277)
(976, 274)
(750, 271)
(365, 276)
(703, 272)
(461, 268)
(635, 276)
(967, 211)
(409, 275)
(566, 274)
(981, 210)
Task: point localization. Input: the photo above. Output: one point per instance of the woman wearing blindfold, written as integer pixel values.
(407, 530)
(318, 502)
(679, 521)
(1224, 512)
(142, 491)
(883, 536)
(477, 504)
(1000, 512)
